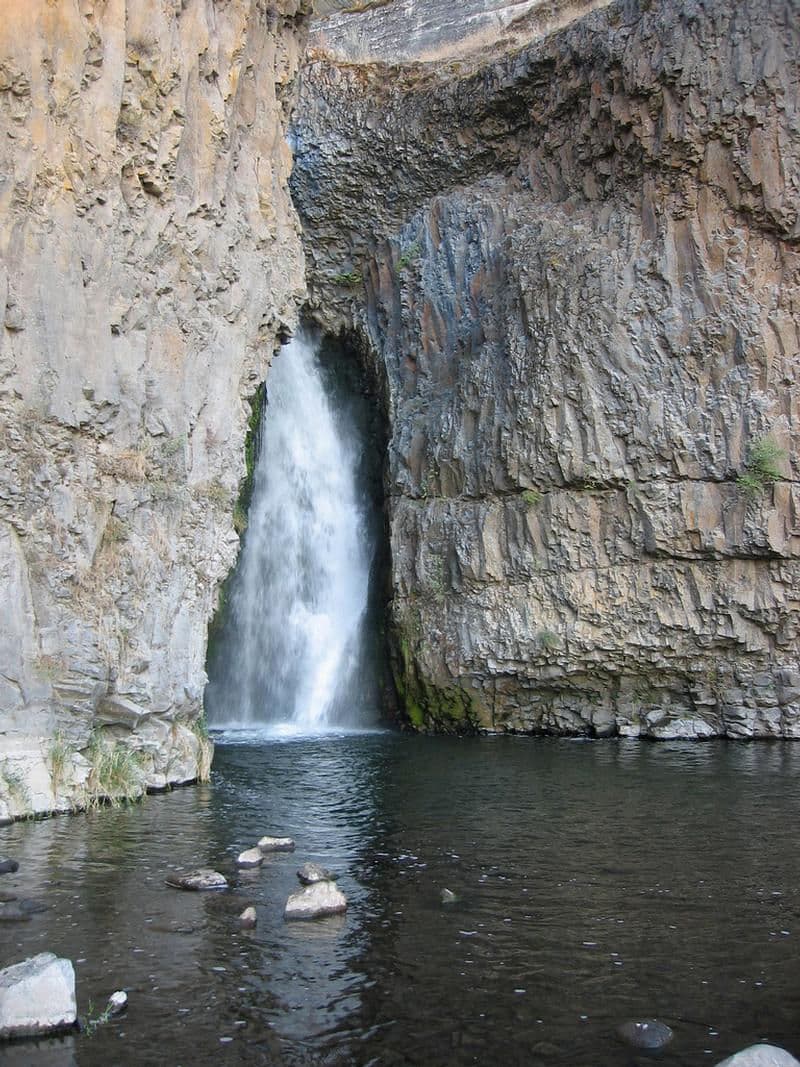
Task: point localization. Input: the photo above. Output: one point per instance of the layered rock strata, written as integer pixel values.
(149, 259)
(575, 262)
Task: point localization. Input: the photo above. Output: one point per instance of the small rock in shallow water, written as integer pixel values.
(117, 1003)
(14, 913)
(251, 857)
(447, 896)
(649, 1033)
(8, 866)
(31, 907)
(198, 880)
(248, 918)
(311, 873)
(315, 901)
(276, 844)
(37, 996)
(761, 1056)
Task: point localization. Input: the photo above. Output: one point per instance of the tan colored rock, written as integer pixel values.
(251, 857)
(148, 259)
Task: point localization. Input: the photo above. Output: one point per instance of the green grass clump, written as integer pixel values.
(116, 772)
(532, 497)
(349, 279)
(761, 469)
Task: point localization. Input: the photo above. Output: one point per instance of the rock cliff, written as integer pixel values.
(149, 258)
(572, 253)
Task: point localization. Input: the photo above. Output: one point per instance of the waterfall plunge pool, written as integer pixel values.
(598, 882)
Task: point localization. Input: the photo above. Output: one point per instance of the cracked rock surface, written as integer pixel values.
(574, 264)
(149, 257)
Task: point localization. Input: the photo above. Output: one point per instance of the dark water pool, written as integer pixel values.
(598, 882)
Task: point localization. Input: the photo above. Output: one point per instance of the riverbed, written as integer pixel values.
(596, 882)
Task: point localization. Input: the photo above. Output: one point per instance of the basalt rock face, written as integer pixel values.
(150, 255)
(575, 261)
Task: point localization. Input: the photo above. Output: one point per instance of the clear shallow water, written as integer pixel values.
(599, 882)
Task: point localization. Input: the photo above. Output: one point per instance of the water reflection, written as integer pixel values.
(596, 883)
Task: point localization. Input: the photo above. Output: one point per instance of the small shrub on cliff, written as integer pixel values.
(761, 469)
(348, 279)
(532, 497)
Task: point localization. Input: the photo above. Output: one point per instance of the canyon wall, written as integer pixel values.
(150, 259)
(572, 253)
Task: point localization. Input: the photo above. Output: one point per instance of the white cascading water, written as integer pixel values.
(293, 651)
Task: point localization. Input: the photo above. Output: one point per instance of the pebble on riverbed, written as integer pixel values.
(197, 881)
(251, 857)
(649, 1033)
(315, 901)
(276, 844)
(8, 866)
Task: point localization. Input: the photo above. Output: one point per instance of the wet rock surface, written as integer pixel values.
(37, 996)
(198, 881)
(310, 873)
(646, 1034)
(251, 857)
(760, 1056)
(573, 266)
(315, 901)
(276, 844)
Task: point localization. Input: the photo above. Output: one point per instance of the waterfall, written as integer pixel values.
(292, 654)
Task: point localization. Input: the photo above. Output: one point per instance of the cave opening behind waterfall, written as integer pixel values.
(298, 643)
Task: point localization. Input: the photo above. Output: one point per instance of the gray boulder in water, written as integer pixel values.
(761, 1056)
(315, 901)
(276, 844)
(311, 873)
(648, 1033)
(37, 996)
(197, 881)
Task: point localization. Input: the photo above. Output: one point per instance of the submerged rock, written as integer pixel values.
(8, 866)
(276, 844)
(251, 857)
(761, 1056)
(14, 912)
(198, 880)
(311, 873)
(315, 901)
(37, 996)
(248, 918)
(649, 1033)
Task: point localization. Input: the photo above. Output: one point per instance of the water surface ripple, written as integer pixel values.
(597, 882)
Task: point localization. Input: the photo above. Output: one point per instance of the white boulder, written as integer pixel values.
(761, 1056)
(314, 901)
(37, 996)
(251, 857)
